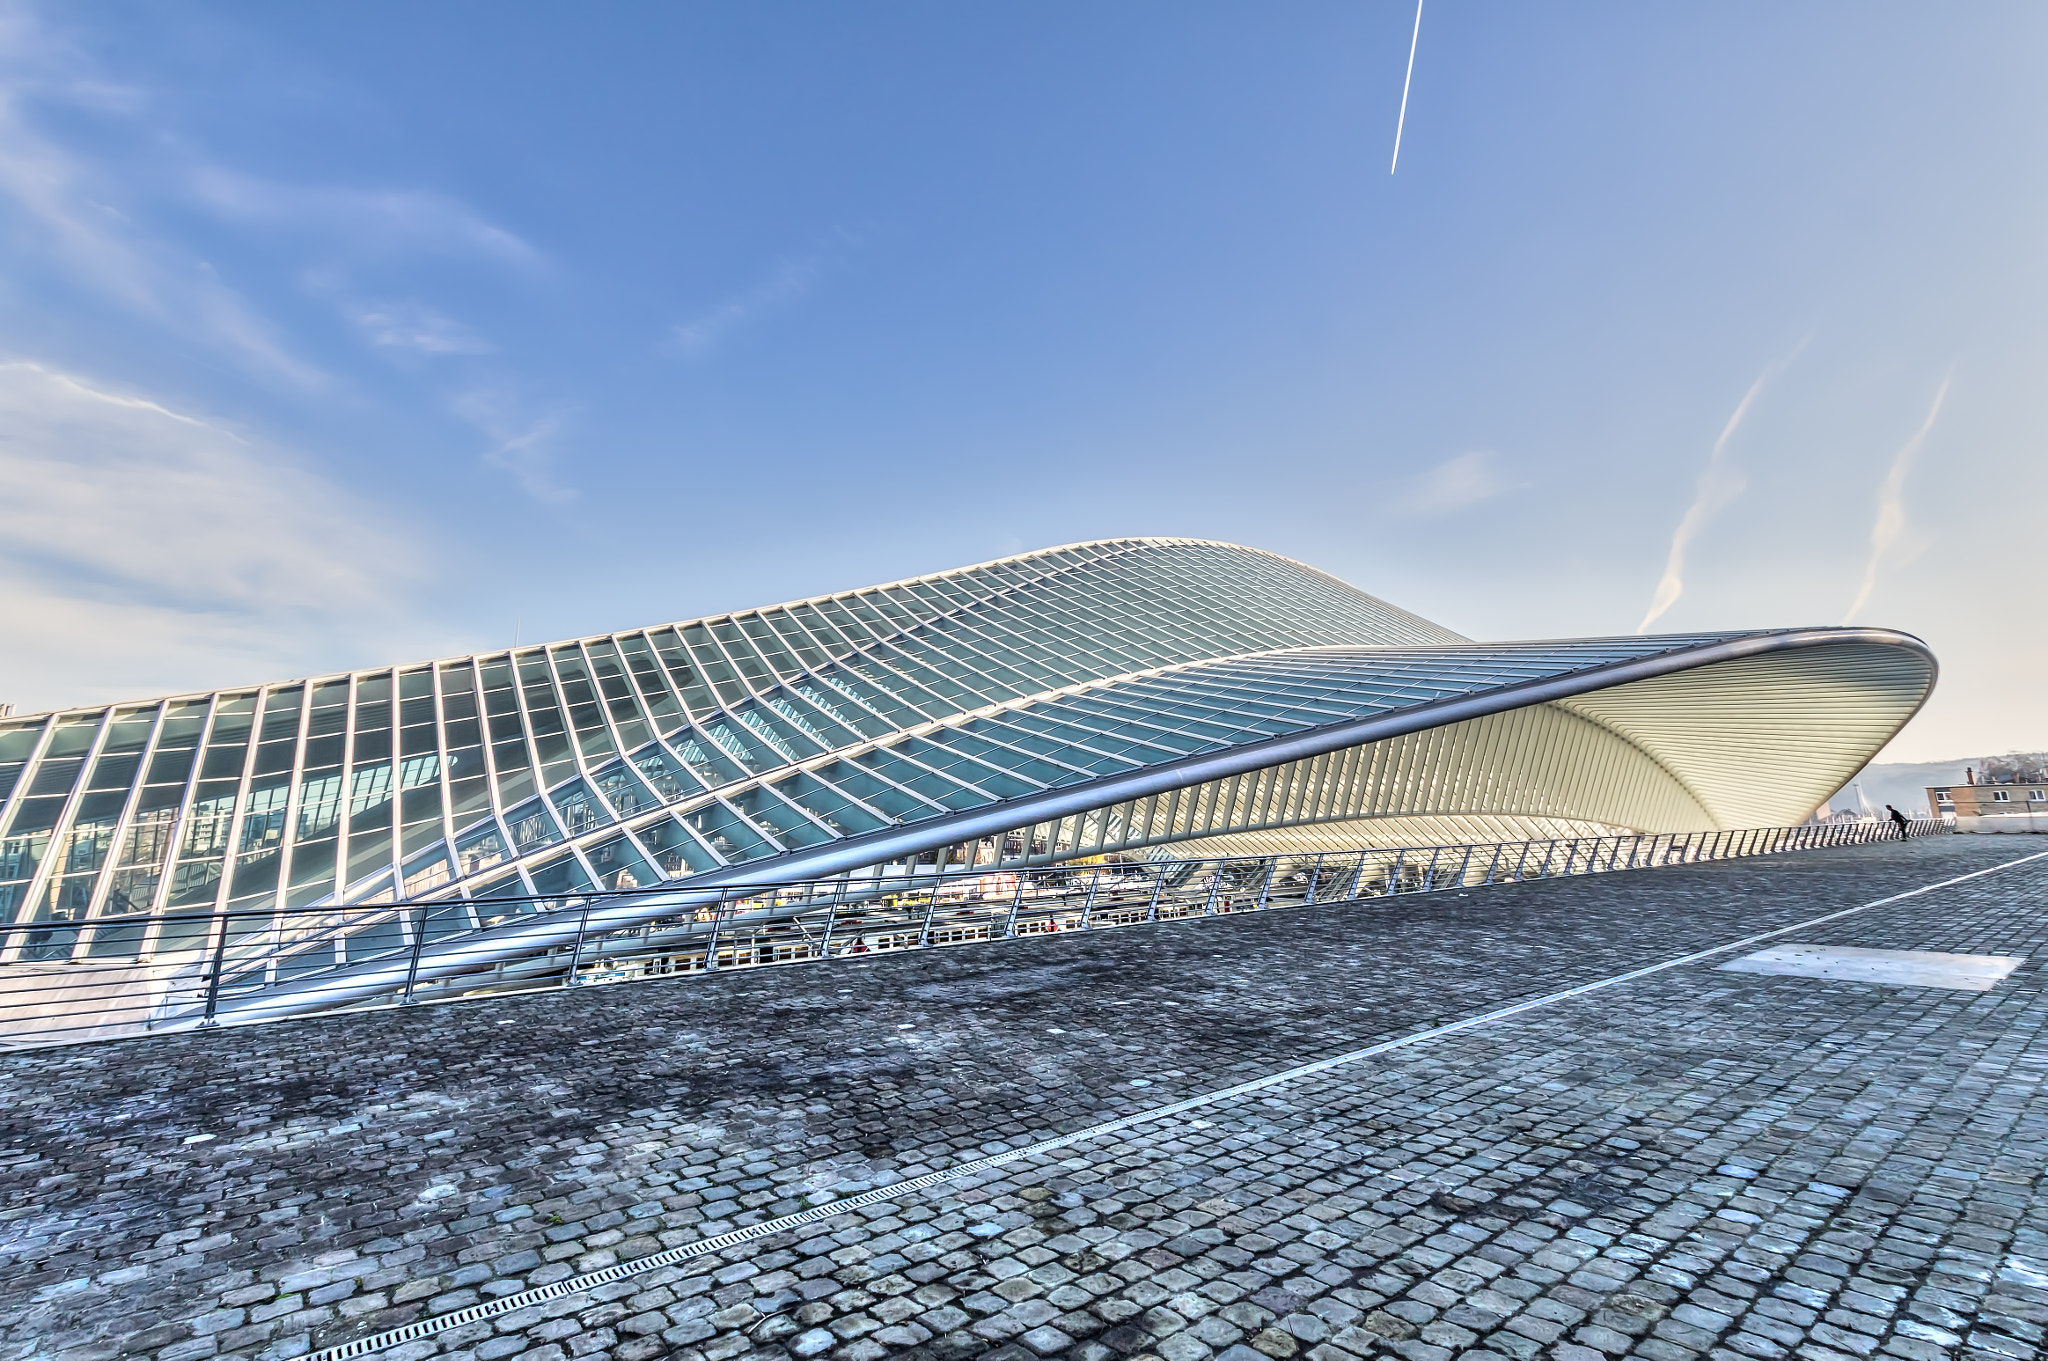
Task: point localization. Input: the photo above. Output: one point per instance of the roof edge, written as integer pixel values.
(1131, 541)
(1027, 810)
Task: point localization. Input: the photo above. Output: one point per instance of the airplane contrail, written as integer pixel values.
(1891, 502)
(1720, 483)
(1406, 81)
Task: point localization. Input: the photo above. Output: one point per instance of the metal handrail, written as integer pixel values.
(72, 986)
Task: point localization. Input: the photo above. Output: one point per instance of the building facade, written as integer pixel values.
(2008, 805)
(1146, 697)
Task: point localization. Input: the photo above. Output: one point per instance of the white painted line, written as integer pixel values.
(455, 1318)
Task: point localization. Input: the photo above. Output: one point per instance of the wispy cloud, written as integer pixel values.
(1719, 484)
(1891, 503)
(65, 203)
(416, 328)
(700, 335)
(365, 220)
(1456, 483)
(91, 211)
(141, 548)
(521, 444)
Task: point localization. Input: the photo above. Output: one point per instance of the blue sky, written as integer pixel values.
(335, 334)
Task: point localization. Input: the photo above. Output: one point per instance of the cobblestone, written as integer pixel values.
(1695, 1164)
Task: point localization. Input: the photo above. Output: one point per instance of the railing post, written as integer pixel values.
(576, 952)
(924, 934)
(1267, 887)
(1016, 906)
(717, 924)
(1394, 873)
(831, 915)
(1215, 887)
(1158, 887)
(1088, 906)
(419, 943)
(1315, 877)
(220, 950)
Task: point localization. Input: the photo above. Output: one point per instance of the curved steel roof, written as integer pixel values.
(1109, 696)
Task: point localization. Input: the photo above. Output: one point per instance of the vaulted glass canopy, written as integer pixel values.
(1111, 697)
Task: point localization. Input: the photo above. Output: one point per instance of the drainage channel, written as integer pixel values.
(768, 1228)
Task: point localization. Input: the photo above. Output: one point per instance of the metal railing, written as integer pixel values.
(76, 982)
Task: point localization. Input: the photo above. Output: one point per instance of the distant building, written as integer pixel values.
(2014, 803)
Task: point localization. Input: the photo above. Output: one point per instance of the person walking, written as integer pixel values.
(1899, 820)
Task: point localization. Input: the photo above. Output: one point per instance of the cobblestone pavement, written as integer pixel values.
(1695, 1163)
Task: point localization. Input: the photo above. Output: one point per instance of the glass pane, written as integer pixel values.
(480, 849)
(319, 804)
(782, 822)
(781, 734)
(531, 826)
(828, 805)
(742, 746)
(664, 774)
(674, 849)
(727, 834)
(934, 787)
(578, 807)
(115, 771)
(370, 793)
(618, 864)
(891, 803)
(703, 762)
(427, 873)
(627, 796)
(86, 846)
(559, 880)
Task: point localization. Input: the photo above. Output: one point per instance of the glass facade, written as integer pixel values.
(621, 761)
